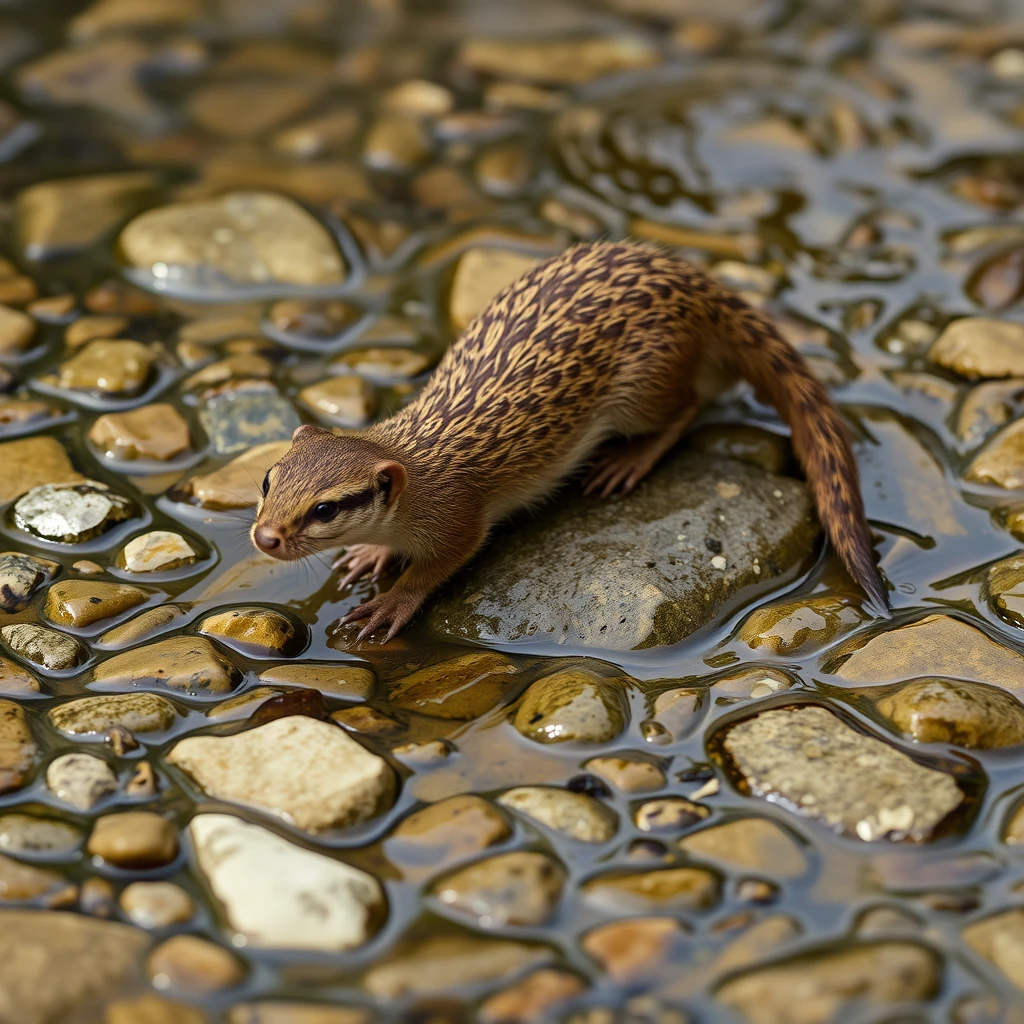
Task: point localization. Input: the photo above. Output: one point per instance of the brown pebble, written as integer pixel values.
(97, 897)
(89, 328)
(367, 721)
(86, 567)
(143, 783)
(134, 839)
(151, 1009)
(627, 775)
(17, 291)
(193, 964)
(635, 948)
(530, 998)
(52, 308)
(668, 814)
(756, 890)
(157, 904)
(307, 702)
(120, 740)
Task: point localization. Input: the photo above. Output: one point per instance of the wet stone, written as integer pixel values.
(981, 347)
(144, 625)
(419, 98)
(257, 632)
(347, 682)
(575, 815)
(382, 365)
(235, 421)
(81, 603)
(627, 775)
(669, 814)
(313, 319)
(80, 780)
(157, 551)
(18, 750)
(272, 1011)
(237, 484)
(987, 407)
(31, 462)
(91, 328)
(29, 835)
(17, 330)
(636, 948)
(677, 712)
(573, 705)
(801, 626)
(94, 716)
(110, 368)
(192, 964)
(1000, 940)
(344, 401)
(280, 896)
(20, 577)
(368, 721)
(134, 839)
(748, 844)
(744, 444)
(187, 663)
(20, 412)
(47, 648)
(479, 275)
(247, 107)
(157, 432)
(463, 688)
(241, 706)
(809, 760)
(309, 773)
(16, 681)
(71, 513)
(396, 143)
(1001, 461)
(531, 998)
(156, 904)
(21, 882)
(661, 889)
(301, 701)
(504, 170)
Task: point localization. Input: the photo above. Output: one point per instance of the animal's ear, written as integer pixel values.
(391, 477)
(306, 430)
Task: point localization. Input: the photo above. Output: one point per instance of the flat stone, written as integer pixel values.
(344, 401)
(938, 645)
(1004, 589)
(382, 365)
(93, 327)
(242, 706)
(71, 513)
(272, 1011)
(757, 845)
(192, 964)
(752, 683)
(144, 625)
(280, 896)
(636, 948)
(17, 330)
(134, 839)
(479, 275)
(30, 835)
(94, 716)
(32, 461)
(418, 97)
(151, 1009)
(22, 882)
(809, 760)
(572, 705)
(1001, 461)
(107, 368)
(58, 218)
(659, 890)
(209, 247)
(235, 421)
(157, 551)
(157, 904)
(156, 432)
(833, 981)
(80, 780)
(462, 688)
(969, 715)
(237, 484)
(187, 663)
(16, 681)
(81, 603)
(627, 775)
(22, 411)
(368, 722)
(64, 967)
(532, 998)
(800, 626)
(347, 682)
(520, 888)
(617, 576)
(309, 773)
(313, 319)
(575, 815)
(981, 347)
(243, 366)
(396, 143)
(504, 170)
(47, 648)
(1000, 940)
(443, 962)
(677, 712)
(257, 632)
(247, 107)
(18, 750)
(668, 814)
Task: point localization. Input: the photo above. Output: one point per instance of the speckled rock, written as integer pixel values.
(573, 705)
(343, 401)
(93, 716)
(575, 815)
(47, 648)
(31, 462)
(748, 844)
(192, 964)
(531, 998)
(309, 773)
(235, 421)
(143, 625)
(660, 889)
(800, 626)
(134, 839)
(237, 484)
(18, 750)
(106, 367)
(1000, 940)
(208, 246)
(257, 632)
(345, 681)
(809, 760)
(157, 551)
(480, 274)
(981, 347)
(30, 835)
(668, 814)
(626, 774)
(16, 681)
(80, 780)
(156, 432)
(17, 330)
(1001, 460)
(816, 989)
(188, 663)
(71, 513)
(950, 711)
(634, 573)
(20, 577)
(280, 896)
(81, 603)
(462, 688)
(156, 904)
(382, 365)
(636, 948)
(519, 888)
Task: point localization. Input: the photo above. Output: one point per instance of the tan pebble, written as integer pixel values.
(635, 948)
(17, 291)
(79, 603)
(192, 964)
(669, 814)
(626, 775)
(531, 998)
(152, 1009)
(52, 308)
(97, 898)
(134, 839)
(87, 567)
(156, 904)
(143, 781)
(368, 721)
(89, 328)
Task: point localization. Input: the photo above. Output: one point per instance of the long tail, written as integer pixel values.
(820, 438)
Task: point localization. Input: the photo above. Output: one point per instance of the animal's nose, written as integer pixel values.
(267, 538)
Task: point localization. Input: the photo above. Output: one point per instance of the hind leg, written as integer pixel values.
(623, 466)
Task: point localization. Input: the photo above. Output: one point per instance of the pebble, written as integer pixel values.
(419, 98)
(242, 366)
(462, 688)
(677, 712)
(636, 948)
(999, 939)
(344, 401)
(194, 965)
(21, 576)
(151, 1009)
(809, 759)
(748, 844)
(190, 664)
(319, 135)
(31, 462)
(313, 319)
(1001, 461)
(22, 882)
(396, 143)
(977, 346)
(87, 567)
(245, 108)
(520, 888)
(661, 889)
(143, 782)
(92, 328)
(479, 275)
(423, 756)
(575, 815)
(42, 837)
(235, 421)
(109, 368)
(53, 308)
(82, 603)
(309, 773)
(19, 412)
(256, 632)
(668, 814)
(157, 904)
(46, 648)
(752, 683)
(156, 432)
(237, 484)
(382, 365)
(71, 513)
(17, 330)
(346, 681)
(626, 775)
(144, 625)
(18, 750)
(504, 170)
(157, 551)
(532, 998)
(573, 705)
(369, 722)
(242, 706)
(80, 780)
(94, 716)
(800, 626)
(134, 839)
(280, 896)
(987, 407)
(209, 246)
(16, 681)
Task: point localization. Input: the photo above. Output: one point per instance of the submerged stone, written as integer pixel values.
(235, 421)
(572, 705)
(575, 815)
(462, 688)
(81, 603)
(801, 625)
(236, 485)
(109, 368)
(93, 716)
(48, 648)
(257, 632)
(188, 663)
(20, 577)
(156, 432)
(748, 844)
(977, 346)
(73, 512)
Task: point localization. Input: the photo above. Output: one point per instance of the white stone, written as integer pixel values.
(279, 896)
(80, 780)
(159, 549)
(311, 774)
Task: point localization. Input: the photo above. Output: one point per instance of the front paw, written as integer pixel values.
(360, 559)
(391, 610)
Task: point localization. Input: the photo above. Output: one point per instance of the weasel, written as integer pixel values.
(608, 339)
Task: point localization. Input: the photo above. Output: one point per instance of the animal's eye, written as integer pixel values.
(325, 511)
(266, 484)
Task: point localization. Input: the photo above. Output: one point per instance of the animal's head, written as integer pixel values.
(327, 490)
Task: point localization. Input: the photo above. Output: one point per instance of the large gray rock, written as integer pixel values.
(646, 570)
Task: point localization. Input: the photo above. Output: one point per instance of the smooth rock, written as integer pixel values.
(519, 888)
(280, 896)
(661, 889)
(368, 721)
(396, 143)
(504, 170)
(346, 681)
(156, 432)
(47, 648)
(235, 421)
(16, 681)
(530, 999)
(17, 412)
(1000, 940)
(575, 815)
(144, 625)
(29, 835)
(419, 98)
(313, 319)
(638, 572)
(256, 632)
(627, 775)
(187, 663)
(809, 760)
(156, 904)
(344, 401)
(17, 330)
(242, 366)
(81, 603)
(113, 368)
(479, 275)
(636, 948)
(987, 407)
(242, 706)
(134, 839)
(677, 713)
(1001, 461)
(309, 773)
(382, 365)
(573, 705)
(80, 780)
(237, 484)
(800, 626)
(70, 513)
(240, 239)
(748, 844)
(152, 1009)
(93, 327)
(22, 882)
(94, 716)
(272, 1011)
(157, 551)
(18, 750)
(978, 346)
(752, 683)
(462, 688)
(247, 107)
(668, 814)
(31, 462)
(192, 964)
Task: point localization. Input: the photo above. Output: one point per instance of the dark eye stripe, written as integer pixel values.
(351, 501)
